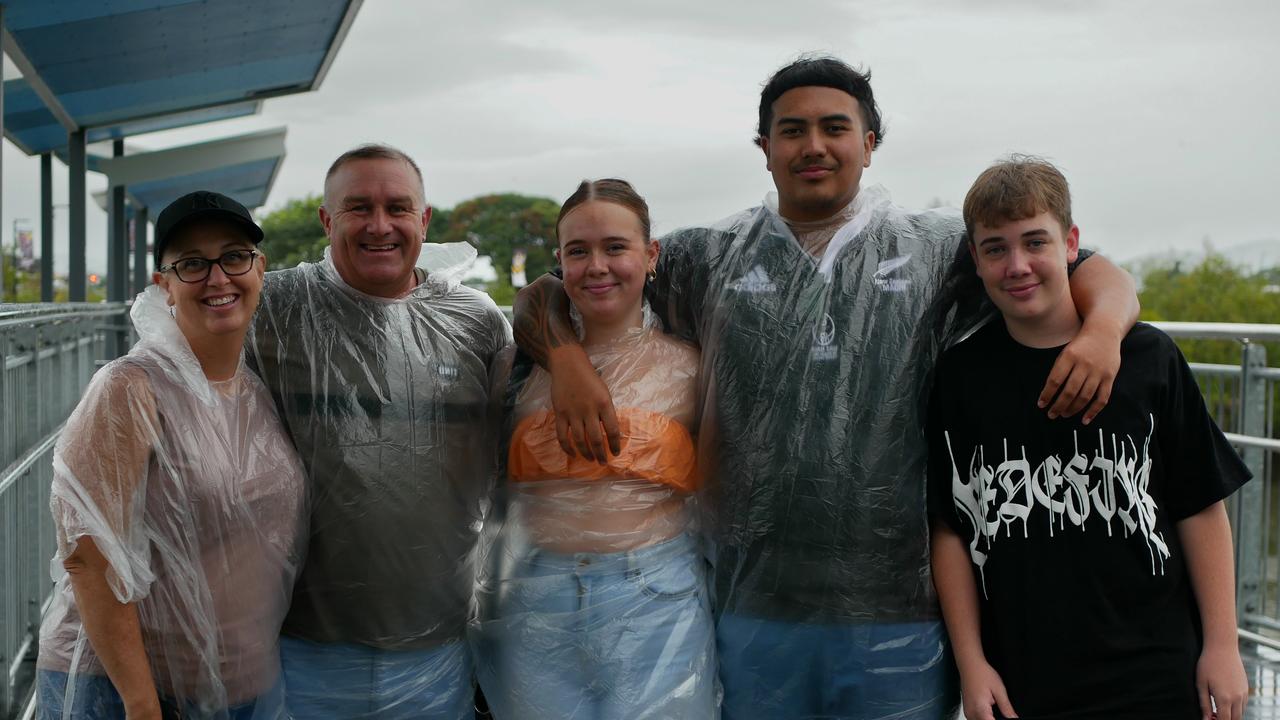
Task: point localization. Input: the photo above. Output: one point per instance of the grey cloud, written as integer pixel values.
(741, 20)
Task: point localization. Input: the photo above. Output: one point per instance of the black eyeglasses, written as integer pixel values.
(196, 269)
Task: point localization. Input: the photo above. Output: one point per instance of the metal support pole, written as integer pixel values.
(117, 257)
(141, 258)
(1251, 553)
(76, 269)
(117, 254)
(46, 227)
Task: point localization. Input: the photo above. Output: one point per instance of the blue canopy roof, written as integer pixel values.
(29, 125)
(247, 183)
(104, 65)
(243, 167)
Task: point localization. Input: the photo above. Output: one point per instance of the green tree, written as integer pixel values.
(439, 225)
(293, 234)
(499, 224)
(21, 286)
(502, 293)
(1212, 291)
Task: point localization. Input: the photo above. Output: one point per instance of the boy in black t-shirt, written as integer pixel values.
(1084, 571)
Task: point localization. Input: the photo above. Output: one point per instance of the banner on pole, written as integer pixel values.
(23, 238)
(518, 279)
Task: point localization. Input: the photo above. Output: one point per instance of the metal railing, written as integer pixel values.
(1242, 399)
(49, 352)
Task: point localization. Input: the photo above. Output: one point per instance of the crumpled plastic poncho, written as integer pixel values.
(593, 601)
(194, 495)
(812, 441)
(387, 402)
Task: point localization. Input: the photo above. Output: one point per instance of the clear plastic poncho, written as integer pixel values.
(811, 438)
(593, 600)
(388, 404)
(194, 495)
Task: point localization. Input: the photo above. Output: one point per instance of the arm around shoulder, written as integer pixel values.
(585, 417)
(1107, 300)
(1105, 295)
(541, 320)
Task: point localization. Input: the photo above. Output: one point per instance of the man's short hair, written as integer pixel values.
(1016, 188)
(374, 151)
(821, 71)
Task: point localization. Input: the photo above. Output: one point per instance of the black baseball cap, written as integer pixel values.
(201, 205)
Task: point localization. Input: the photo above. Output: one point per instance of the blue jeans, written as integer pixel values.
(95, 698)
(596, 636)
(785, 670)
(345, 681)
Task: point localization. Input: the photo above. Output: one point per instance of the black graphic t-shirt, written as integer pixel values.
(1086, 607)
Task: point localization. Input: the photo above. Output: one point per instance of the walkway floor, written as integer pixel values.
(1264, 678)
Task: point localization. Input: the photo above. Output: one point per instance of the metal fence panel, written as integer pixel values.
(48, 353)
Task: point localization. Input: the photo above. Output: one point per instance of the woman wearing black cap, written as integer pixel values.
(178, 500)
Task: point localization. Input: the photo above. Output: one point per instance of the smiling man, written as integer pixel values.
(817, 151)
(381, 374)
(820, 314)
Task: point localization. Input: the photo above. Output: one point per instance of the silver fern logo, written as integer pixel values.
(886, 268)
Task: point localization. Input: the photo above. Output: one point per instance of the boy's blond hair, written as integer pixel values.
(1016, 188)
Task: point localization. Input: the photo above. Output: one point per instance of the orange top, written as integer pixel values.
(654, 448)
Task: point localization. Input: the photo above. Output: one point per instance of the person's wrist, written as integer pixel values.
(1104, 327)
(568, 358)
(141, 705)
(969, 659)
(1221, 643)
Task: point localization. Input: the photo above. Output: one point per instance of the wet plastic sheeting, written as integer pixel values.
(194, 495)
(593, 597)
(388, 404)
(811, 438)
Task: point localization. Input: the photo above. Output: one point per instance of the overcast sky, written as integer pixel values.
(1162, 113)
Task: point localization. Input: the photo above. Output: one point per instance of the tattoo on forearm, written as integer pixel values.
(542, 320)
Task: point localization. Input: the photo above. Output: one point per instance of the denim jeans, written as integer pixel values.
(596, 636)
(95, 698)
(344, 681)
(776, 670)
